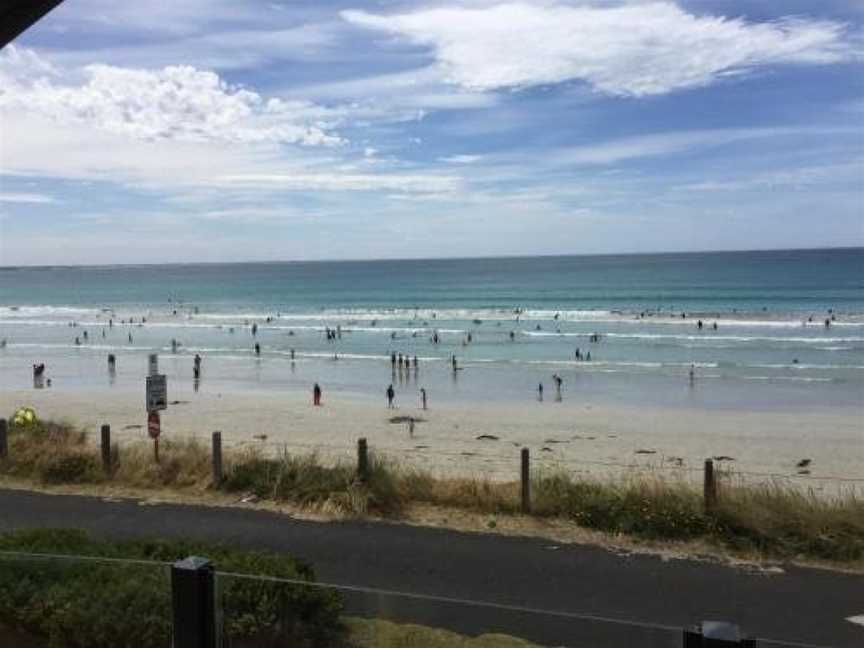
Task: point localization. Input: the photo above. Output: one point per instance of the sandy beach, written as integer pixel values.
(599, 440)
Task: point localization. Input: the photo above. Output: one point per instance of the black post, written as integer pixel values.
(710, 486)
(217, 459)
(526, 481)
(4, 439)
(362, 460)
(106, 449)
(193, 601)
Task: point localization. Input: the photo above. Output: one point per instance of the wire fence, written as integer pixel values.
(472, 458)
(497, 616)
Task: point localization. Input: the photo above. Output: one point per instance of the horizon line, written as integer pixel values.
(418, 259)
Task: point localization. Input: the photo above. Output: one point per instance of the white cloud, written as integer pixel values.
(636, 50)
(462, 159)
(412, 89)
(802, 178)
(33, 145)
(665, 144)
(30, 198)
(419, 183)
(222, 50)
(177, 102)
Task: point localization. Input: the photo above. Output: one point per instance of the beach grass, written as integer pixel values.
(769, 519)
(377, 633)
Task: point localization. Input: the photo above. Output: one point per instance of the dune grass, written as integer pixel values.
(376, 633)
(770, 519)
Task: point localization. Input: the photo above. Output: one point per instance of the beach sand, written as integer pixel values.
(578, 437)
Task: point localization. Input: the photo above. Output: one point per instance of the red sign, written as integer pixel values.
(153, 426)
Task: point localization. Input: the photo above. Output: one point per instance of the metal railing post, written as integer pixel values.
(193, 603)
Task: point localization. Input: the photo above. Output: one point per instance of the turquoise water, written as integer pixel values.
(771, 347)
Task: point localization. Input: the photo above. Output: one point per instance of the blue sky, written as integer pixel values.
(231, 130)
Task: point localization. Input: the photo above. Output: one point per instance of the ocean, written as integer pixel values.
(637, 316)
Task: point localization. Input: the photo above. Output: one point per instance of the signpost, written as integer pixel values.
(156, 398)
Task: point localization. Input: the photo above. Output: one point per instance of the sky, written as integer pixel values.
(241, 130)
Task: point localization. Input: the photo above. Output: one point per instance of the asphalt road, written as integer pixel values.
(804, 606)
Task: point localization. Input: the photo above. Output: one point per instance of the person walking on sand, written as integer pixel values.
(411, 427)
(257, 349)
(692, 373)
(391, 394)
(423, 397)
(540, 392)
(316, 395)
(558, 380)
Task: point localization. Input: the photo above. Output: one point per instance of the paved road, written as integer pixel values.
(799, 605)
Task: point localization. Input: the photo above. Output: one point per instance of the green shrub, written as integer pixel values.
(86, 603)
(74, 468)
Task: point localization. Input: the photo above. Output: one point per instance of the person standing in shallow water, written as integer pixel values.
(391, 394)
(540, 392)
(423, 397)
(316, 395)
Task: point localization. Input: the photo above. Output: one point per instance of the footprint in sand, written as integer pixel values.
(487, 437)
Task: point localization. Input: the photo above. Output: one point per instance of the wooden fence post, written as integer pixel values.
(526, 481)
(362, 460)
(106, 449)
(217, 459)
(710, 486)
(4, 440)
